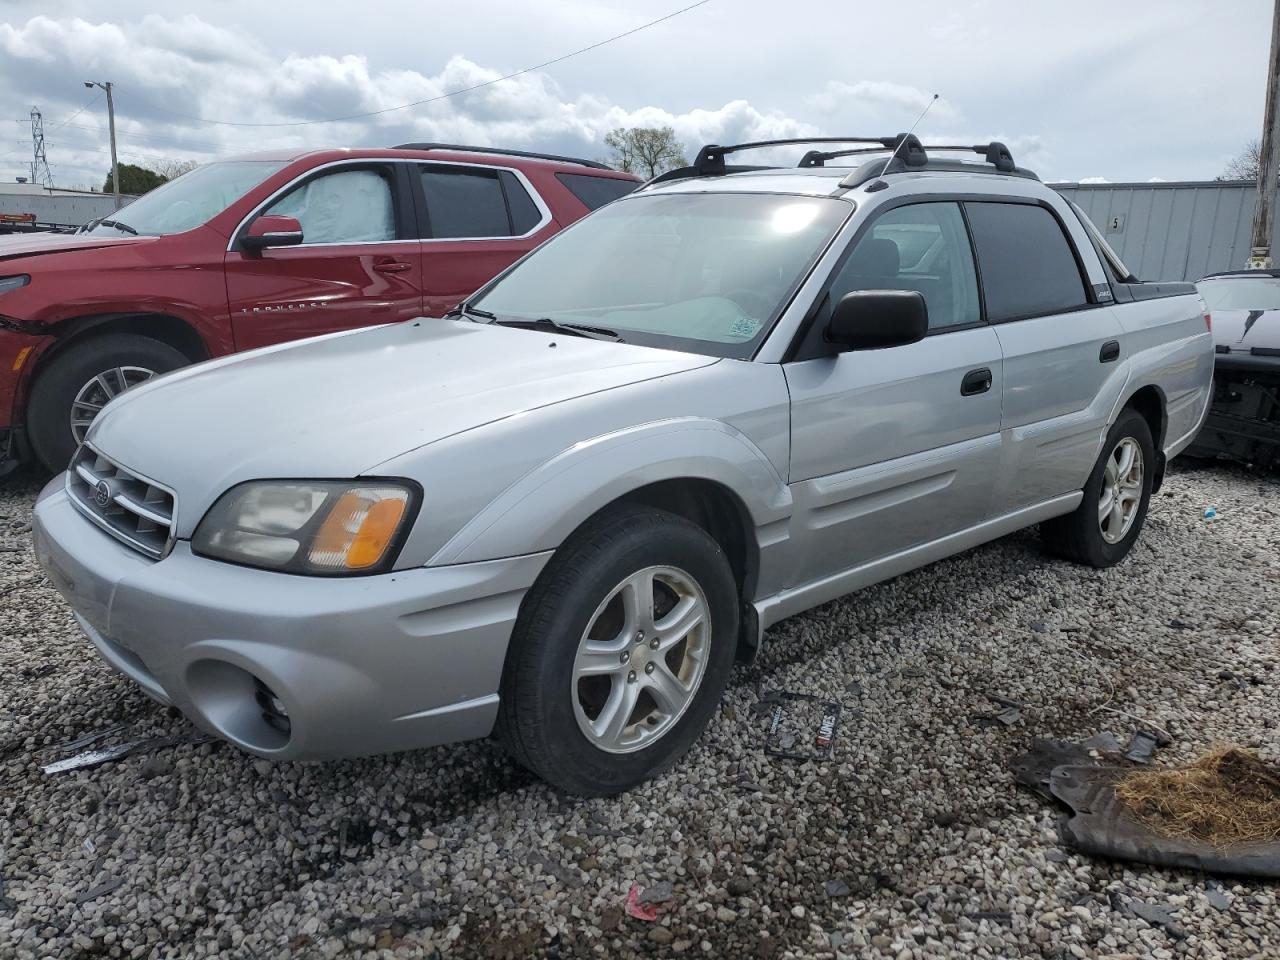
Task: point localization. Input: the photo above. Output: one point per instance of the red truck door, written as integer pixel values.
(476, 221)
(359, 262)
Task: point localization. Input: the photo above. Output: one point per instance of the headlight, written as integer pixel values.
(313, 527)
(14, 282)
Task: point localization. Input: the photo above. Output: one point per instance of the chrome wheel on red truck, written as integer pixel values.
(77, 382)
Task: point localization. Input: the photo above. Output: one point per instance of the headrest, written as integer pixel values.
(875, 257)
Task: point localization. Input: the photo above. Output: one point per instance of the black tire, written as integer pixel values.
(49, 409)
(537, 722)
(1078, 535)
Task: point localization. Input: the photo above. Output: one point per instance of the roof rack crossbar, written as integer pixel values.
(995, 153)
(594, 164)
(906, 153)
(710, 159)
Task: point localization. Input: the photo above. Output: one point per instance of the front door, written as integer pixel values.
(896, 447)
(1059, 350)
(358, 265)
(477, 221)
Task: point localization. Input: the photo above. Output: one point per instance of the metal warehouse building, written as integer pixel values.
(1173, 231)
(30, 204)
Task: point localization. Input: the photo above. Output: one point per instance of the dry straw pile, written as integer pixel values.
(1227, 797)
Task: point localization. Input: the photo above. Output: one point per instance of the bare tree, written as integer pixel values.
(1244, 166)
(647, 151)
(172, 169)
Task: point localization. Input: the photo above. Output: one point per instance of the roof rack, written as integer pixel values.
(594, 164)
(906, 153)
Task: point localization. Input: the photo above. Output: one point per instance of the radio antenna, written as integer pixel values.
(880, 184)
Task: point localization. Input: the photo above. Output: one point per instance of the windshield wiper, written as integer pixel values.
(463, 310)
(119, 225)
(573, 329)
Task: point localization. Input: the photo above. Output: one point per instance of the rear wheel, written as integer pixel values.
(1102, 530)
(81, 380)
(621, 652)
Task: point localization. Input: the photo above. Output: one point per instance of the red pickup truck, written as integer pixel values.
(257, 250)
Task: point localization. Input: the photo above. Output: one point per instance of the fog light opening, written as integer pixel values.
(239, 706)
(274, 712)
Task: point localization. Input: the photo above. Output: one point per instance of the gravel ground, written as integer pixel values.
(912, 842)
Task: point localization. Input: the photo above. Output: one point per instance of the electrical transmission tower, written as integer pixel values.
(40, 172)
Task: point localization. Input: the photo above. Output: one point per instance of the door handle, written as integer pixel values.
(975, 382)
(1110, 351)
(392, 266)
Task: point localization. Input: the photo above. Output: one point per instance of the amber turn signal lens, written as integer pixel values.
(359, 529)
(375, 534)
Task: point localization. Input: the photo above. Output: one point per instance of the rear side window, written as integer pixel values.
(1028, 267)
(524, 212)
(463, 202)
(595, 192)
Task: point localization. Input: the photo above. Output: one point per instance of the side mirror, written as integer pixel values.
(271, 230)
(873, 319)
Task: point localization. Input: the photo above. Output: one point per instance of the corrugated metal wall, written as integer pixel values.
(1173, 231)
(69, 208)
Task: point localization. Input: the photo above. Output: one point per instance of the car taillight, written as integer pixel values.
(1208, 322)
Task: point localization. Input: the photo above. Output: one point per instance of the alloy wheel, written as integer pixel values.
(100, 390)
(1121, 494)
(641, 659)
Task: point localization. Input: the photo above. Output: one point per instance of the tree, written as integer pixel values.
(172, 169)
(1245, 166)
(134, 180)
(647, 151)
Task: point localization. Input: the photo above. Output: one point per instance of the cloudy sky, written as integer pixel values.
(1133, 90)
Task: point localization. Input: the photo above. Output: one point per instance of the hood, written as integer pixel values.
(338, 406)
(31, 244)
(1242, 330)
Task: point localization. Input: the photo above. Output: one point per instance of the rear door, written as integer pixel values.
(896, 447)
(358, 264)
(476, 221)
(1060, 346)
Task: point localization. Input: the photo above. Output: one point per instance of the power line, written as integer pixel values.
(452, 93)
(90, 103)
(178, 140)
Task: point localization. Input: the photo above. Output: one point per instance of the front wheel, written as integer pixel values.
(77, 383)
(1102, 530)
(621, 652)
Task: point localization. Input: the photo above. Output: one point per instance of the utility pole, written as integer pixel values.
(1268, 157)
(111, 123)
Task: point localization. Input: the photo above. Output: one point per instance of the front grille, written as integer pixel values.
(128, 506)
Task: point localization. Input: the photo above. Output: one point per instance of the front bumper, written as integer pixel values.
(18, 353)
(361, 665)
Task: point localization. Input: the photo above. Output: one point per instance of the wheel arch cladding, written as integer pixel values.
(704, 470)
(164, 327)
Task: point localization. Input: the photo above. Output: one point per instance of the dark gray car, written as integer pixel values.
(1244, 420)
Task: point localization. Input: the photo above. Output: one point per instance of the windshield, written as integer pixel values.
(187, 201)
(702, 272)
(1241, 293)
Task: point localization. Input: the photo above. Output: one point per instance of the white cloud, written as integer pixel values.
(1094, 180)
(169, 70)
(725, 71)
